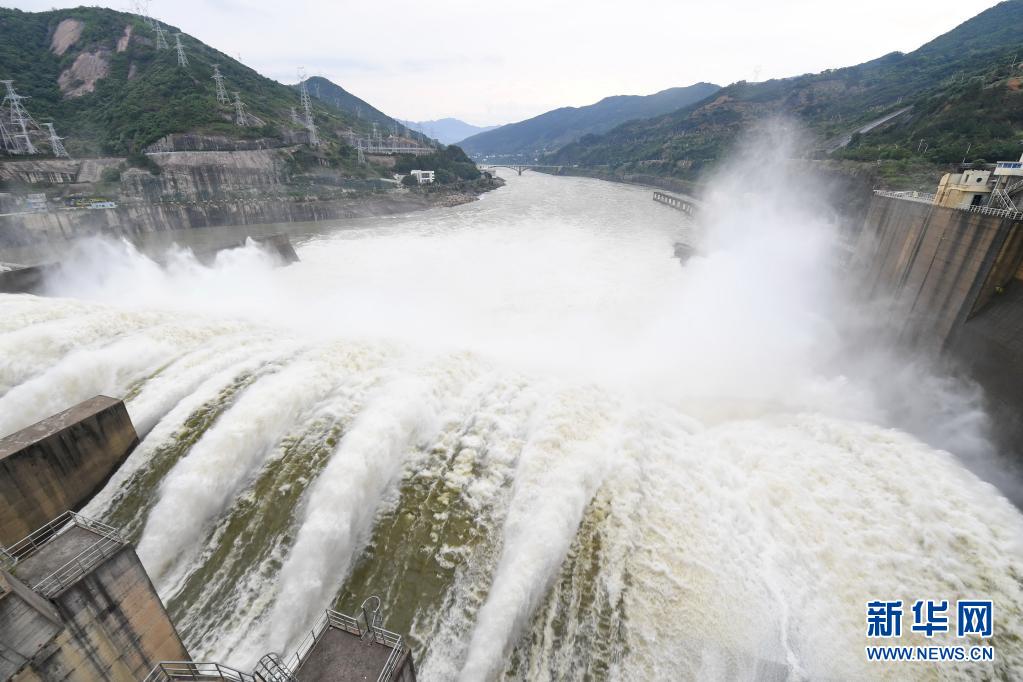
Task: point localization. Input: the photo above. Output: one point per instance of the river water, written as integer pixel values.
(553, 451)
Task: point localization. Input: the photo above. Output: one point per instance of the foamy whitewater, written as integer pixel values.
(552, 450)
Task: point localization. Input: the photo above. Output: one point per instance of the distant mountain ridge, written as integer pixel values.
(449, 130)
(554, 129)
(963, 92)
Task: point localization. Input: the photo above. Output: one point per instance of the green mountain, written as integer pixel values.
(547, 132)
(96, 73)
(959, 92)
(365, 114)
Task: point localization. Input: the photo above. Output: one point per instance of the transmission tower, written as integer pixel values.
(141, 8)
(21, 123)
(182, 59)
(161, 37)
(56, 143)
(6, 139)
(218, 78)
(240, 117)
(307, 109)
(362, 154)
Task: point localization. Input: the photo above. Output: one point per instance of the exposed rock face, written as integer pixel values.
(81, 78)
(137, 219)
(67, 34)
(123, 41)
(191, 142)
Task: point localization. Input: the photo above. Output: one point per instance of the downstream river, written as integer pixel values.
(554, 451)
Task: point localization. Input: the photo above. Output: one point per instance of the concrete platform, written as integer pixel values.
(55, 554)
(340, 656)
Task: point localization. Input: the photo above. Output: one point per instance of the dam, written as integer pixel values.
(532, 433)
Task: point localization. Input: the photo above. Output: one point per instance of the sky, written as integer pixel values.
(496, 62)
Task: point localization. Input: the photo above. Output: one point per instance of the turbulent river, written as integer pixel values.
(552, 450)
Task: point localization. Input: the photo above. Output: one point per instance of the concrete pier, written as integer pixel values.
(24, 279)
(686, 205)
(77, 605)
(60, 463)
(29, 279)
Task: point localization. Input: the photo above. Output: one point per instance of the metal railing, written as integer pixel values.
(340, 621)
(109, 541)
(187, 670)
(923, 198)
(272, 669)
(1003, 198)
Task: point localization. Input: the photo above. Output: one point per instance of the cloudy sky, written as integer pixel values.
(497, 61)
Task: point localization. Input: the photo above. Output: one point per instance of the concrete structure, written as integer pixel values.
(938, 266)
(76, 604)
(997, 187)
(687, 205)
(20, 279)
(339, 648)
(962, 190)
(953, 284)
(424, 177)
(60, 463)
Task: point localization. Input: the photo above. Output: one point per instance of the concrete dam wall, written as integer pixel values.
(937, 266)
(953, 281)
(59, 463)
(76, 604)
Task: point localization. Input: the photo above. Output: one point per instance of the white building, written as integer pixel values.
(425, 177)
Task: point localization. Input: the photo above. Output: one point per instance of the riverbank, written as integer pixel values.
(19, 231)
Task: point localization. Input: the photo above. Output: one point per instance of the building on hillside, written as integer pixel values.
(425, 177)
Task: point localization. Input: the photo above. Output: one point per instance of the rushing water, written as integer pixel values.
(554, 452)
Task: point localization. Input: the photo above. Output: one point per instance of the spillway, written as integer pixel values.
(551, 450)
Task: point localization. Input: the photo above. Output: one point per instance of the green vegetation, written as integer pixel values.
(527, 139)
(145, 95)
(450, 165)
(336, 97)
(960, 86)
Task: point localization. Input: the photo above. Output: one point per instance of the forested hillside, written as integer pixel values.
(548, 132)
(961, 93)
(96, 73)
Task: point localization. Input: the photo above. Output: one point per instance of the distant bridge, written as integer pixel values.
(519, 167)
